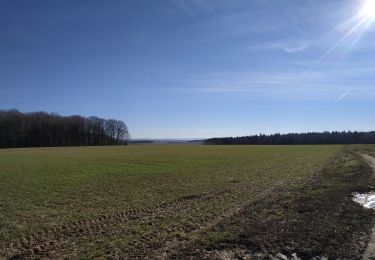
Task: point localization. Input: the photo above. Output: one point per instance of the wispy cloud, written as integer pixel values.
(289, 48)
(294, 49)
(323, 84)
(203, 5)
(183, 5)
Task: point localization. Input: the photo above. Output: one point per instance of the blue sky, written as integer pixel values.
(192, 68)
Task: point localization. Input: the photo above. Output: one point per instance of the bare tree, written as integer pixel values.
(43, 129)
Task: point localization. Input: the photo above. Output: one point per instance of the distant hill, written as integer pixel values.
(298, 138)
(141, 141)
(166, 141)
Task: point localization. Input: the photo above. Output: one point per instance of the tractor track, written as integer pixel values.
(158, 242)
(46, 242)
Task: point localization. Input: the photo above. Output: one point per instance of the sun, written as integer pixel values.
(368, 9)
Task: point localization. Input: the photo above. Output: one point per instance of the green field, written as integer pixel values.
(153, 200)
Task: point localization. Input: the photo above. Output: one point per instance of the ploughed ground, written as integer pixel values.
(308, 217)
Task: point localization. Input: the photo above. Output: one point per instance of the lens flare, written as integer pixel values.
(352, 30)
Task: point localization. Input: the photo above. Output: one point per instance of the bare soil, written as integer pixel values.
(317, 219)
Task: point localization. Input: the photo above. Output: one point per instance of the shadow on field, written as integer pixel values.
(315, 219)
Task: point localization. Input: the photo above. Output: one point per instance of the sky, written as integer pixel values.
(193, 68)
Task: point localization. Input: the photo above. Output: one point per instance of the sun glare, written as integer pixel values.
(368, 9)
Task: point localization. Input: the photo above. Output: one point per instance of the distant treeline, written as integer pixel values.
(305, 138)
(43, 129)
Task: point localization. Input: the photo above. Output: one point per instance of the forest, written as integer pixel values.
(42, 129)
(345, 137)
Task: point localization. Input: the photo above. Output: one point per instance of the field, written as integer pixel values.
(165, 201)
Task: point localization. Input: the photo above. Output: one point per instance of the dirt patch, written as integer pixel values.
(369, 159)
(315, 219)
(370, 250)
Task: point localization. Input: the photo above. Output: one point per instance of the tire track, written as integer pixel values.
(168, 251)
(157, 242)
(47, 242)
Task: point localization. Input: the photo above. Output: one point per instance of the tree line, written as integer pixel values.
(43, 129)
(295, 138)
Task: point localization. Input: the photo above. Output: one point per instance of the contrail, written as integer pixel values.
(343, 95)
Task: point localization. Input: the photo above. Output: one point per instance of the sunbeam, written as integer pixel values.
(347, 42)
(354, 29)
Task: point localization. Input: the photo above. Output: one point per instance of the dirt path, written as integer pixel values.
(370, 250)
(370, 160)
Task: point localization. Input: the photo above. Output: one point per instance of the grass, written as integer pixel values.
(315, 218)
(131, 201)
